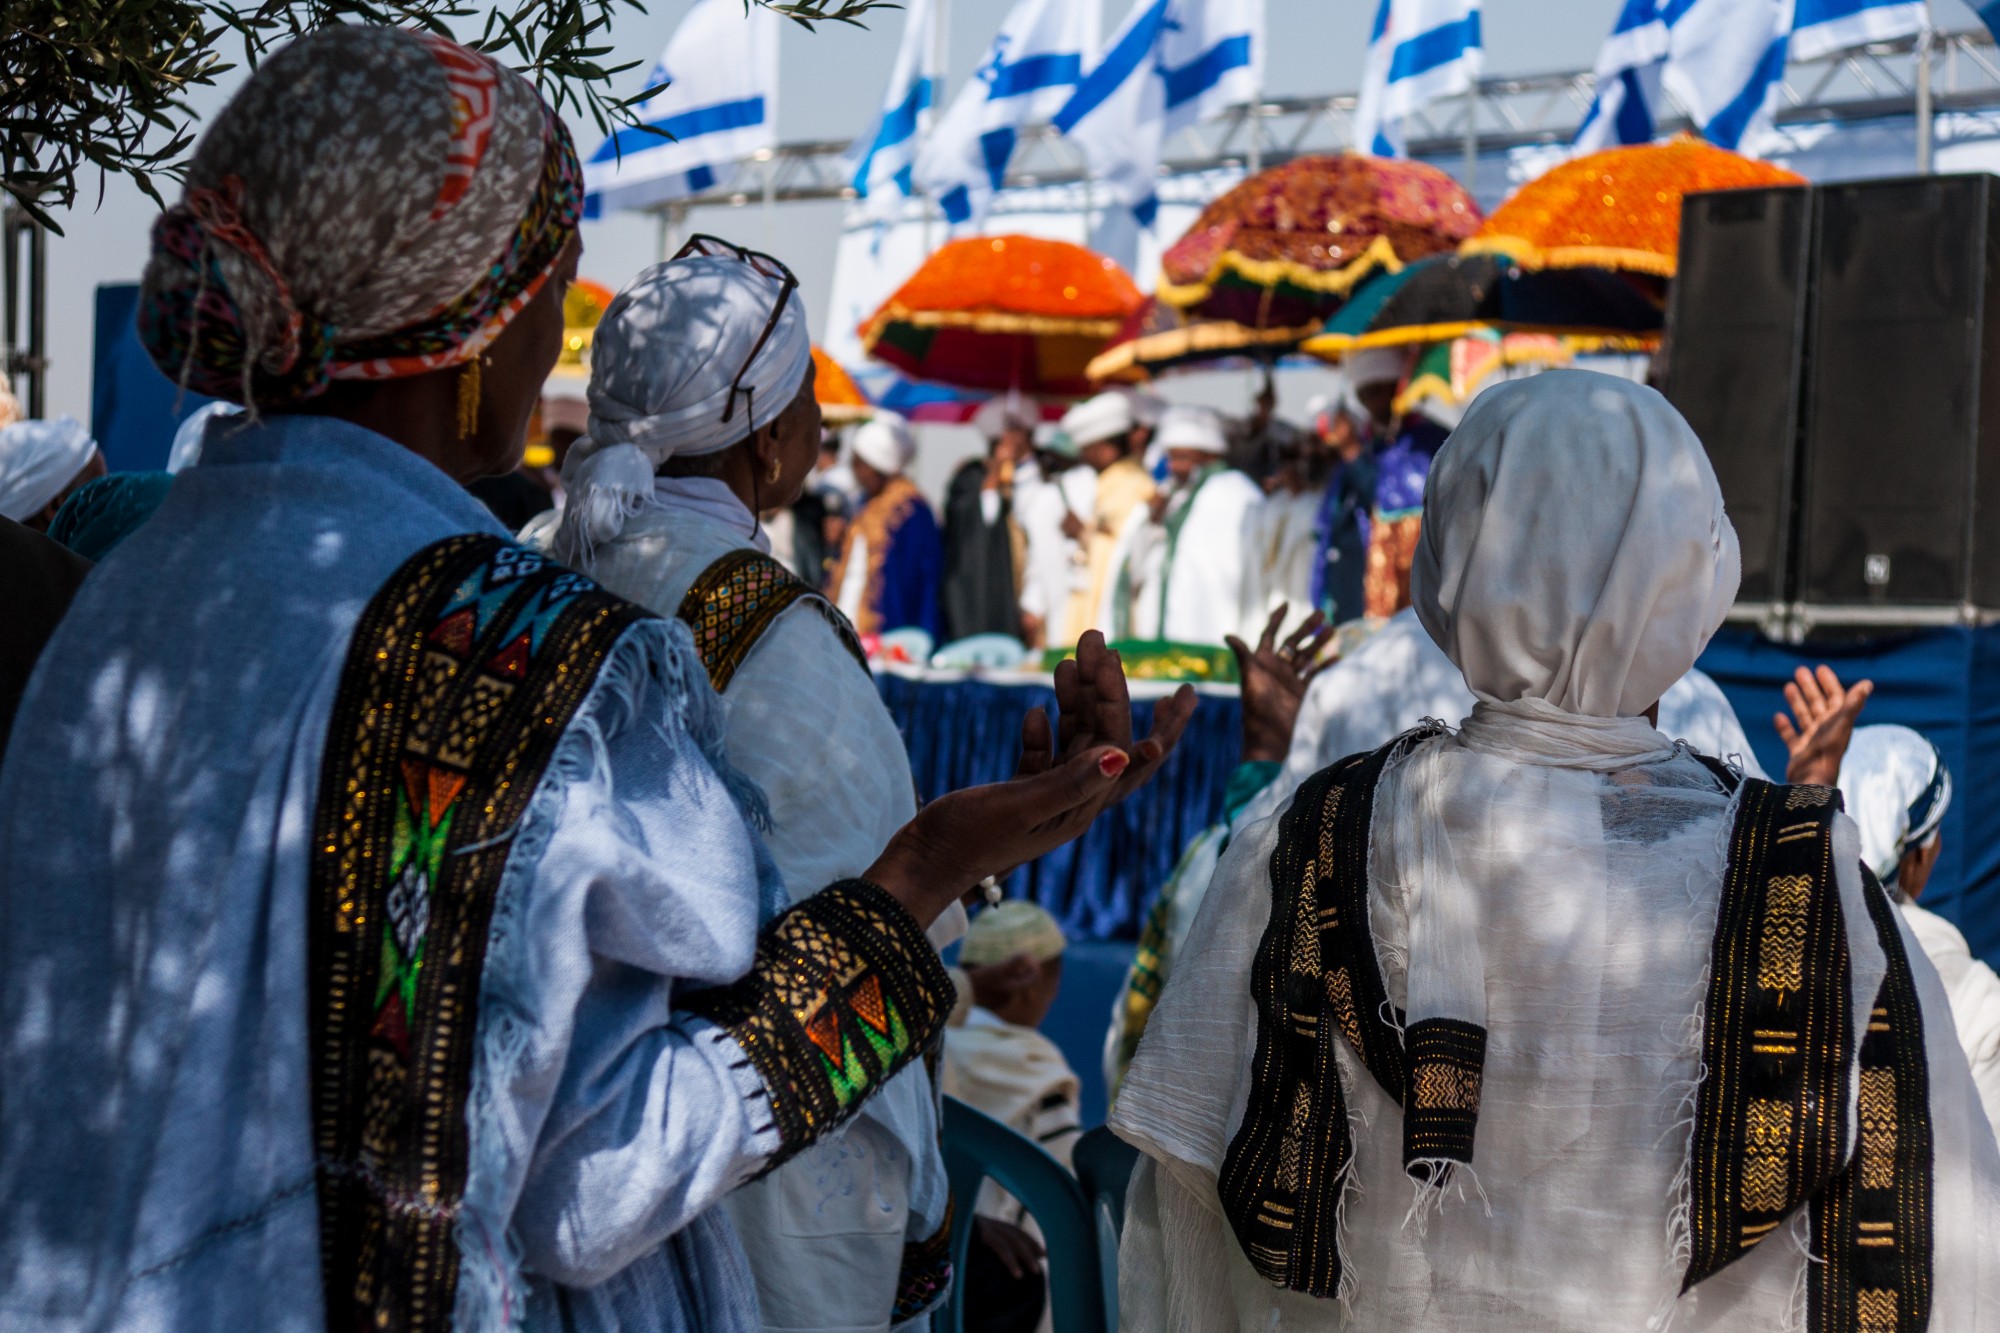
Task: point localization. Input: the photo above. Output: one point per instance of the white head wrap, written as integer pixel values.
(661, 363)
(1574, 547)
(996, 415)
(1896, 789)
(1101, 418)
(37, 460)
(186, 451)
(1192, 428)
(884, 442)
(1006, 929)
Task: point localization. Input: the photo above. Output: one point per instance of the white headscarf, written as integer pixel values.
(1104, 417)
(186, 451)
(1574, 547)
(1896, 789)
(37, 460)
(884, 442)
(661, 363)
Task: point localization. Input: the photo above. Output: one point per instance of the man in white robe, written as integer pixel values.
(1181, 572)
(1547, 879)
(1054, 495)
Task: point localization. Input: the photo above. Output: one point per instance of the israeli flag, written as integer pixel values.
(1171, 64)
(1821, 27)
(1028, 73)
(1628, 80)
(1418, 51)
(885, 157)
(720, 106)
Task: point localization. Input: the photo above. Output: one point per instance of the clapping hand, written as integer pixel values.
(1066, 777)
(1826, 713)
(1274, 679)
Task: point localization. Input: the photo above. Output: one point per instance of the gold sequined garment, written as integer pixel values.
(737, 598)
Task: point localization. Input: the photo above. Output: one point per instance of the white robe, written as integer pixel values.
(1592, 1047)
(1056, 568)
(1203, 582)
(825, 1232)
(1278, 567)
(1975, 1000)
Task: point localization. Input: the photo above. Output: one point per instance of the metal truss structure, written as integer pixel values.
(1538, 110)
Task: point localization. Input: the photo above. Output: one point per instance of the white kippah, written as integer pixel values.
(1192, 428)
(884, 442)
(1006, 929)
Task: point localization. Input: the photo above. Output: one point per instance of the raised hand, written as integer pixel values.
(1274, 679)
(1826, 712)
(1066, 777)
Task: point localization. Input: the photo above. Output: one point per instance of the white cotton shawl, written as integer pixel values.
(38, 459)
(661, 365)
(1552, 872)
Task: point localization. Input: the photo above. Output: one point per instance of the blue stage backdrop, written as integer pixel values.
(134, 409)
(964, 732)
(1944, 683)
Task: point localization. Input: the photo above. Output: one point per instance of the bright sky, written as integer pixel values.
(831, 81)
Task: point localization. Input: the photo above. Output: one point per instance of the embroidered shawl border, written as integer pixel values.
(879, 518)
(734, 601)
(845, 991)
(463, 672)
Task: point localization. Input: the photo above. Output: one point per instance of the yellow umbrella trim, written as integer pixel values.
(1380, 254)
(1208, 336)
(1433, 385)
(987, 321)
(841, 414)
(1529, 255)
(1333, 347)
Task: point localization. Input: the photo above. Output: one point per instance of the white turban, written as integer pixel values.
(1574, 548)
(38, 459)
(1006, 929)
(1191, 428)
(996, 416)
(1105, 417)
(884, 442)
(1896, 789)
(661, 363)
(1373, 365)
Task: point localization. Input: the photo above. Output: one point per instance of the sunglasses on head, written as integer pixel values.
(766, 265)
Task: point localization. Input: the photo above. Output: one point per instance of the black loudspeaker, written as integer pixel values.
(1737, 330)
(1902, 399)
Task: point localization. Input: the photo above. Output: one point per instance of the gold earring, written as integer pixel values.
(468, 398)
(777, 468)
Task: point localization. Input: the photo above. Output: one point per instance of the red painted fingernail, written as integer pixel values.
(1113, 764)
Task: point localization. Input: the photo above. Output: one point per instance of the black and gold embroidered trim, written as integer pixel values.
(463, 672)
(736, 599)
(925, 1275)
(1316, 982)
(1447, 1063)
(1873, 1226)
(845, 991)
(1771, 1116)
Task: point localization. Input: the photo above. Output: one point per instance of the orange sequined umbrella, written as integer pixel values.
(1286, 246)
(1618, 209)
(1004, 312)
(840, 398)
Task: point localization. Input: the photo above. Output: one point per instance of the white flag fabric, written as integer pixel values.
(886, 155)
(1418, 51)
(1029, 71)
(1723, 61)
(720, 106)
(1171, 64)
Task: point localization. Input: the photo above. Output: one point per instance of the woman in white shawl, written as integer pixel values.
(1897, 789)
(1548, 879)
(667, 482)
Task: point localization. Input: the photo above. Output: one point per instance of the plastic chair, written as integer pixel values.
(1104, 1165)
(978, 1147)
(995, 652)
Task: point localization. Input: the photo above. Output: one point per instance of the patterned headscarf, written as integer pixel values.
(104, 512)
(372, 204)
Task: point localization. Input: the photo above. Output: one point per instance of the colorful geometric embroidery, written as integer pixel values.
(1771, 1116)
(845, 991)
(736, 599)
(463, 672)
(1316, 982)
(878, 518)
(925, 1275)
(1873, 1224)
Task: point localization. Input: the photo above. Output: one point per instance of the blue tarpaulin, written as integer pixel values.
(134, 409)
